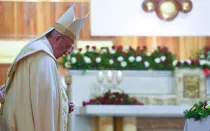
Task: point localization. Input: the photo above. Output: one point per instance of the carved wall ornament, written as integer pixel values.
(190, 86)
(167, 10)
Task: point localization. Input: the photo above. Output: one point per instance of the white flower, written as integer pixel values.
(146, 64)
(120, 58)
(154, 47)
(90, 50)
(157, 60)
(203, 62)
(112, 51)
(87, 60)
(175, 62)
(188, 61)
(202, 56)
(98, 59)
(67, 64)
(73, 60)
(75, 51)
(103, 50)
(111, 62)
(163, 58)
(126, 48)
(123, 63)
(138, 59)
(149, 53)
(181, 61)
(131, 59)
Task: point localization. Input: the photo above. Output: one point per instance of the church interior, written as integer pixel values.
(138, 65)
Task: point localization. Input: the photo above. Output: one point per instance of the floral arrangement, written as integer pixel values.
(113, 98)
(119, 58)
(198, 111)
(192, 63)
(203, 64)
(202, 61)
(204, 54)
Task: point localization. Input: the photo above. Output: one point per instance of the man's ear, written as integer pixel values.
(58, 37)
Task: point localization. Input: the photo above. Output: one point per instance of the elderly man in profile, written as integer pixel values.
(34, 98)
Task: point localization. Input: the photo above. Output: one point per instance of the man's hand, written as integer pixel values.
(71, 107)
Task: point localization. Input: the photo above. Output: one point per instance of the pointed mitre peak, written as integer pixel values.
(67, 24)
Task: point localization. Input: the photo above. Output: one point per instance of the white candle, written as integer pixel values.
(100, 76)
(109, 76)
(119, 76)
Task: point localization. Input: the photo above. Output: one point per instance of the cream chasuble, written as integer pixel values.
(36, 99)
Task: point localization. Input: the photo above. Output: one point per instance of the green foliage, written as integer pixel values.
(118, 58)
(198, 111)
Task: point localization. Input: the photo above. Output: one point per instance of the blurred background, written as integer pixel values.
(157, 51)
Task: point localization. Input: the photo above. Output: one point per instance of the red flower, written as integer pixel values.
(119, 48)
(185, 63)
(117, 94)
(144, 47)
(84, 103)
(118, 102)
(196, 61)
(87, 47)
(178, 63)
(92, 101)
(80, 49)
(206, 48)
(138, 48)
(116, 98)
(165, 48)
(206, 71)
(205, 54)
(114, 101)
(113, 47)
(94, 47)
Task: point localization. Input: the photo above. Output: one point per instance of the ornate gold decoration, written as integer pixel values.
(148, 5)
(191, 86)
(167, 10)
(186, 6)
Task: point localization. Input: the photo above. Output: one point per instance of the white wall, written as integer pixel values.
(127, 18)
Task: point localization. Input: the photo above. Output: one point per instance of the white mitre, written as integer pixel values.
(67, 25)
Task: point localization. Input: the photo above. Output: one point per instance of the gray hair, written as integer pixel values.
(53, 33)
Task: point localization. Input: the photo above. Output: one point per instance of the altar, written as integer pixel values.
(122, 118)
(154, 88)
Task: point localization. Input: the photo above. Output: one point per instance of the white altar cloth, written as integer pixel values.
(201, 125)
(132, 110)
